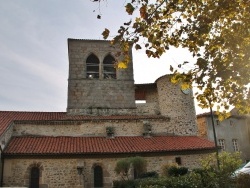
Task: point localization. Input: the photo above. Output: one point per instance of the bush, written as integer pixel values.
(166, 167)
(191, 180)
(139, 164)
(220, 177)
(151, 174)
(124, 184)
(208, 178)
(124, 165)
(177, 171)
(122, 168)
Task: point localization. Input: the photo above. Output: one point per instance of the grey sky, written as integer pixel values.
(33, 49)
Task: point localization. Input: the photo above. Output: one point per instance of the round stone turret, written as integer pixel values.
(177, 105)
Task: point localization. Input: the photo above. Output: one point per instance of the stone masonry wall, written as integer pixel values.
(151, 95)
(148, 108)
(151, 106)
(62, 173)
(98, 128)
(178, 106)
(93, 93)
(87, 93)
(202, 127)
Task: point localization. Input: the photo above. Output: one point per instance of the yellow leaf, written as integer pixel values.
(185, 86)
(121, 65)
(105, 33)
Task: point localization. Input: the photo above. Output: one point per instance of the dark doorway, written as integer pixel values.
(34, 177)
(98, 177)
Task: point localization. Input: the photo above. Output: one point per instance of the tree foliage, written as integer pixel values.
(124, 165)
(221, 177)
(217, 33)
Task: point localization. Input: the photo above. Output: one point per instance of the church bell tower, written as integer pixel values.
(95, 86)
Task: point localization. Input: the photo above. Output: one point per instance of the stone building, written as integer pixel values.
(102, 124)
(233, 134)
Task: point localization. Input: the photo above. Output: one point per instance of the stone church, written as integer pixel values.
(102, 124)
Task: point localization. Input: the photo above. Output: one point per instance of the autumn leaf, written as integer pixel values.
(171, 68)
(143, 11)
(137, 47)
(129, 8)
(105, 33)
(216, 33)
(121, 65)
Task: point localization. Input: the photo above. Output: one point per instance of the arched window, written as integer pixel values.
(92, 63)
(98, 176)
(109, 70)
(34, 177)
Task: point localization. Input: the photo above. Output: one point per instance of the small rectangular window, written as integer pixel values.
(235, 145)
(178, 160)
(222, 144)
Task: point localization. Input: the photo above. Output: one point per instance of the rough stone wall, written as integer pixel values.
(178, 106)
(148, 108)
(85, 93)
(151, 106)
(202, 127)
(152, 95)
(94, 93)
(191, 161)
(55, 173)
(98, 128)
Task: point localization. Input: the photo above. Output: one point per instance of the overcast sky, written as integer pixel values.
(33, 49)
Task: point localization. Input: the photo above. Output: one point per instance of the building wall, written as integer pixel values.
(228, 129)
(202, 127)
(98, 128)
(178, 106)
(62, 173)
(152, 95)
(148, 108)
(151, 105)
(86, 93)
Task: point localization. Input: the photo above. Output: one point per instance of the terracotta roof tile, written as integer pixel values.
(6, 117)
(31, 145)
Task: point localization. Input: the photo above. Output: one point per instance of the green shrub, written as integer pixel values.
(124, 184)
(166, 167)
(208, 178)
(177, 171)
(191, 180)
(139, 164)
(122, 168)
(151, 174)
(220, 177)
(148, 182)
